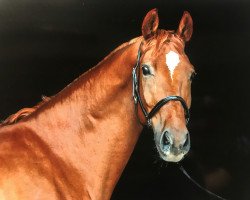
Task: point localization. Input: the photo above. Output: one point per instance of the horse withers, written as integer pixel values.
(76, 144)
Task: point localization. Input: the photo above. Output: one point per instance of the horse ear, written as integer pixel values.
(150, 24)
(185, 29)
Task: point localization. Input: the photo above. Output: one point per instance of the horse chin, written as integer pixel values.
(169, 157)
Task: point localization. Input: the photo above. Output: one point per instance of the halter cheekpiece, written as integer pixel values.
(162, 102)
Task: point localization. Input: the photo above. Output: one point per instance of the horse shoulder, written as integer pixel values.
(30, 170)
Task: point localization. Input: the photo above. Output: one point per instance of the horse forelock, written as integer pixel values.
(161, 38)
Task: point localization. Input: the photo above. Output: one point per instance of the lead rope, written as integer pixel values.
(197, 184)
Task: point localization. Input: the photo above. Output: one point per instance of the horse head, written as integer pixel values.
(165, 75)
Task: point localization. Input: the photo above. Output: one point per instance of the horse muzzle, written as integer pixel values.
(169, 149)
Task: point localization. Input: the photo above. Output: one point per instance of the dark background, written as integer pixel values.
(44, 45)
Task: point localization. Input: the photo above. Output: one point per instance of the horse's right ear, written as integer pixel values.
(150, 24)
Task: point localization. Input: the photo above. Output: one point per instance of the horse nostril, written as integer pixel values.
(166, 141)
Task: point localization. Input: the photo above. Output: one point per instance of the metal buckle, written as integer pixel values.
(134, 85)
(149, 123)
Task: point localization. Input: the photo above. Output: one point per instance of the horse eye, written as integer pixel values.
(146, 70)
(192, 76)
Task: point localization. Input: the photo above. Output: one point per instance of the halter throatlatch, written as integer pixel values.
(162, 102)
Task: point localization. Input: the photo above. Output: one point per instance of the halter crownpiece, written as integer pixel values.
(162, 102)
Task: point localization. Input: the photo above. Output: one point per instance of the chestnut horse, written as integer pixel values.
(76, 144)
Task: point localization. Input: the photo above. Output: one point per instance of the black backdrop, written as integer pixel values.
(44, 45)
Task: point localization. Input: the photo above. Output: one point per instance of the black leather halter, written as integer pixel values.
(162, 102)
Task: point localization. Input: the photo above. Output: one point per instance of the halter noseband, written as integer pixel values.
(162, 102)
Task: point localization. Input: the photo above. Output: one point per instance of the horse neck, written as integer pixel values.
(92, 124)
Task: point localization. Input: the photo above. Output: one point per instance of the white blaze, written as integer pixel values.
(172, 60)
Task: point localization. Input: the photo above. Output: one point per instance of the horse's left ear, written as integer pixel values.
(150, 24)
(185, 29)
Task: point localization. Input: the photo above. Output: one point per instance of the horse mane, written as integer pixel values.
(23, 113)
(132, 41)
